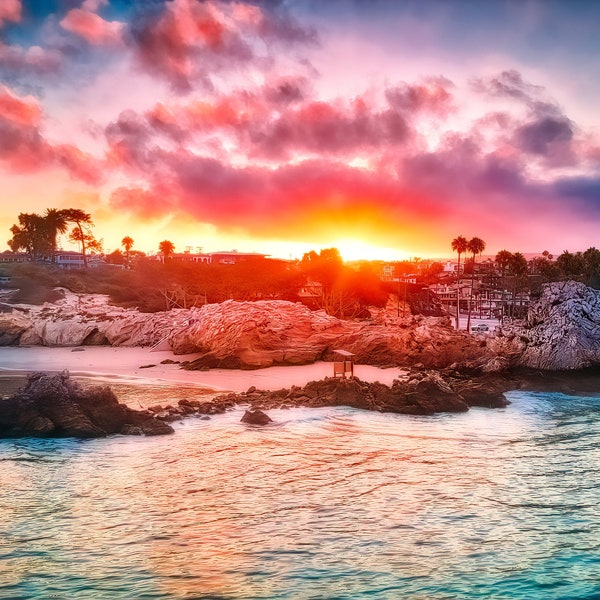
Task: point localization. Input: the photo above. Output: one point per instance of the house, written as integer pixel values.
(233, 257)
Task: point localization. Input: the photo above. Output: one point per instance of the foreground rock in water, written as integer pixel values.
(57, 406)
(419, 393)
(256, 417)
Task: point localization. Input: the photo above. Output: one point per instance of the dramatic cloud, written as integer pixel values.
(24, 149)
(187, 42)
(10, 10)
(93, 28)
(299, 120)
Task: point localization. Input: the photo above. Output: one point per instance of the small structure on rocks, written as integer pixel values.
(343, 364)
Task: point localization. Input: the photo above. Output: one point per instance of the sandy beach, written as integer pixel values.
(124, 365)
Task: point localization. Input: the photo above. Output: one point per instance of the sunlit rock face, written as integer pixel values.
(265, 333)
(562, 329)
(247, 335)
(79, 320)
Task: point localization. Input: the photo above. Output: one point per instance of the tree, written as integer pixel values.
(570, 266)
(502, 261)
(86, 240)
(83, 224)
(127, 243)
(325, 268)
(167, 248)
(459, 245)
(475, 246)
(55, 222)
(591, 258)
(518, 269)
(31, 235)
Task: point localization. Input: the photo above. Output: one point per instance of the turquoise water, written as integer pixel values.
(325, 503)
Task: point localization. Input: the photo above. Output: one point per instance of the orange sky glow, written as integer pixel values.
(382, 129)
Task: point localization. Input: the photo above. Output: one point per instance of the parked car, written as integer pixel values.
(480, 328)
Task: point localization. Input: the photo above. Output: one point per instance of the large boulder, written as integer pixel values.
(57, 406)
(562, 329)
(12, 326)
(252, 335)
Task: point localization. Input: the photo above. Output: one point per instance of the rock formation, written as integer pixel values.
(260, 334)
(562, 329)
(256, 417)
(246, 335)
(57, 406)
(420, 392)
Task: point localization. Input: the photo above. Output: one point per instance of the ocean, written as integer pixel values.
(330, 503)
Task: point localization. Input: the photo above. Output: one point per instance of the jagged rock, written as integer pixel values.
(252, 335)
(12, 326)
(418, 393)
(256, 417)
(562, 329)
(245, 335)
(57, 406)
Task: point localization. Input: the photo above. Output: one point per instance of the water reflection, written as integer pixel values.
(326, 503)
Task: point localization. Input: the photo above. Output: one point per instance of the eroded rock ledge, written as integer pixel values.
(57, 406)
(421, 392)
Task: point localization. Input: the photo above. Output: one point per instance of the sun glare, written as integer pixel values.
(352, 249)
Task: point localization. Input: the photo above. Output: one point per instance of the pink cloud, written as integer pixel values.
(187, 36)
(10, 10)
(93, 28)
(21, 111)
(24, 149)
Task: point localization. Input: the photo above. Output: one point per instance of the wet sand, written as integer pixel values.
(131, 367)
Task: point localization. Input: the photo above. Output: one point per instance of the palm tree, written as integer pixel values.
(475, 246)
(167, 248)
(459, 245)
(55, 222)
(82, 220)
(127, 243)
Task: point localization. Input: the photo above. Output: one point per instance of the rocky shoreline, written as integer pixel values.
(57, 406)
(561, 332)
(557, 348)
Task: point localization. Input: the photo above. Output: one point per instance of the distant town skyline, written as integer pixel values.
(384, 129)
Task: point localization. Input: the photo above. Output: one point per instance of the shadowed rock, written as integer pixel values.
(420, 392)
(256, 417)
(56, 406)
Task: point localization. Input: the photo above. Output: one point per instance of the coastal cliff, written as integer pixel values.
(561, 332)
(247, 335)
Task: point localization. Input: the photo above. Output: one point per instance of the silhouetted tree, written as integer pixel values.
(86, 240)
(31, 235)
(459, 245)
(127, 243)
(475, 246)
(55, 222)
(81, 233)
(167, 248)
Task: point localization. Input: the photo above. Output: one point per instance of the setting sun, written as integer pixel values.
(353, 249)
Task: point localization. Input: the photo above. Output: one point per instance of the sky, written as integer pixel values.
(383, 128)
